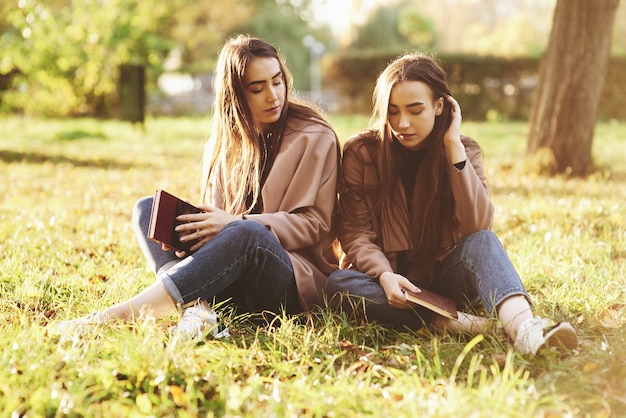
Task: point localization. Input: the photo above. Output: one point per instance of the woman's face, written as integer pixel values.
(412, 112)
(265, 90)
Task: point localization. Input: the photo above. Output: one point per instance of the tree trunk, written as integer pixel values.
(571, 76)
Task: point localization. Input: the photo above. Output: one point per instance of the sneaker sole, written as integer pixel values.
(562, 335)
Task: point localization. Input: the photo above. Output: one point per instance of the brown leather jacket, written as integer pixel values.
(372, 246)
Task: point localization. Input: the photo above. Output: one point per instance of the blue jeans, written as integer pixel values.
(477, 271)
(244, 264)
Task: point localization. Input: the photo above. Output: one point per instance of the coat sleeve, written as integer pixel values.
(358, 235)
(474, 210)
(300, 194)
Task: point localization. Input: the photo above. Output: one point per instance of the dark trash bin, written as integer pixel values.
(132, 92)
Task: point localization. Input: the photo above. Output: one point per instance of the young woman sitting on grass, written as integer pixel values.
(265, 239)
(416, 213)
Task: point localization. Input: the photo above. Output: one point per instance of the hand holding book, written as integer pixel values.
(433, 301)
(165, 209)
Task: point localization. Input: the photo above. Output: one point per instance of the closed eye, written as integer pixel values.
(256, 86)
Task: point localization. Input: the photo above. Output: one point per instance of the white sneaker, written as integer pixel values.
(538, 332)
(77, 327)
(196, 320)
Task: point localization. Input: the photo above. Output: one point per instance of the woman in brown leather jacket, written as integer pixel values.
(416, 213)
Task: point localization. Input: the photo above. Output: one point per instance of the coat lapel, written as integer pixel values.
(289, 185)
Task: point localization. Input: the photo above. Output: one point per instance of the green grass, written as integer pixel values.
(67, 249)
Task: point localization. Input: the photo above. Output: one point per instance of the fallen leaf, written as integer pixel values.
(178, 394)
(614, 316)
(589, 367)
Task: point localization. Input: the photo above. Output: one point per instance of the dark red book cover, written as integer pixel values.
(433, 301)
(165, 208)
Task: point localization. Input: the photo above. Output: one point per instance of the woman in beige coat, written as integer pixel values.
(265, 240)
(416, 214)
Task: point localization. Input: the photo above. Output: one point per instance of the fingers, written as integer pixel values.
(398, 301)
(455, 107)
(196, 232)
(207, 208)
(394, 286)
(193, 217)
(407, 284)
(199, 244)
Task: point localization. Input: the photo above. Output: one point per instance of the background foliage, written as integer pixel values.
(66, 56)
(61, 57)
(488, 87)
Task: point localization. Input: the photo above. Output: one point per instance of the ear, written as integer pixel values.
(439, 106)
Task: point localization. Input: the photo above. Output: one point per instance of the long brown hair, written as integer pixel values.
(434, 213)
(233, 160)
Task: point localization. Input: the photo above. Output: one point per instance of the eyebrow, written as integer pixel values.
(263, 81)
(416, 104)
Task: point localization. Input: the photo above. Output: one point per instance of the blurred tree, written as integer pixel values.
(394, 27)
(286, 25)
(201, 26)
(62, 56)
(416, 28)
(496, 27)
(571, 76)
(510, 37)
(68, 52)
(381, 31)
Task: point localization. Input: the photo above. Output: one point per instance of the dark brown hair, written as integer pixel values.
(434, 214)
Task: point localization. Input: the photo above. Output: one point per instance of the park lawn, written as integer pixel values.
(67, 249)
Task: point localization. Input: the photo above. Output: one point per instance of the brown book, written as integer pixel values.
(433, 301)
(165, 208)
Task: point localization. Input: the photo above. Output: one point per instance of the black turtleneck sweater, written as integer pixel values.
(410, 162)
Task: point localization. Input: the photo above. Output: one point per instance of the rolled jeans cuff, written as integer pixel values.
(171, 288)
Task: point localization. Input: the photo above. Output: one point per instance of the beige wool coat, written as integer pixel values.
(300, 205)
(371, 245)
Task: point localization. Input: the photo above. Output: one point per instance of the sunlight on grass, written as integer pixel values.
(68, 249)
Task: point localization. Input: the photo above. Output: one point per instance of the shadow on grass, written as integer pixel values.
(595, 184)
(12, 157)
(552, 190)
(78, 134)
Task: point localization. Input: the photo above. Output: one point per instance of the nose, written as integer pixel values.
(403, 121)
(272, 95)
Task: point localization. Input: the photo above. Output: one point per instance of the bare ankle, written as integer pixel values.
(466, 323)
